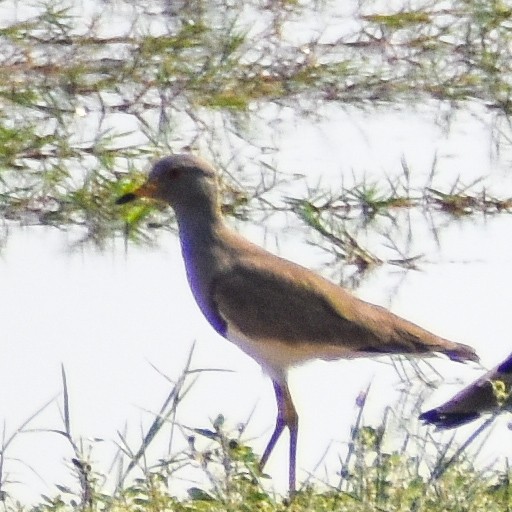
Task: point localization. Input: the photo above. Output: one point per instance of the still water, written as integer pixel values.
(110, 317)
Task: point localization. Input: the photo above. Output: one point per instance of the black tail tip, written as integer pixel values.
(126, 198)
(461, 356)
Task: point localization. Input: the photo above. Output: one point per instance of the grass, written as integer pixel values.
(83, 111)
(60, 70)
(421, 475)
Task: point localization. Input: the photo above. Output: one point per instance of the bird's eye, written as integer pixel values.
(174, 174)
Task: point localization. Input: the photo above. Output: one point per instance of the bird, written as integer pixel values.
(491, 393)
(276, 311)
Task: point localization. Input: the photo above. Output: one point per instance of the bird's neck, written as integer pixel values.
(198, 228)
(199, 238)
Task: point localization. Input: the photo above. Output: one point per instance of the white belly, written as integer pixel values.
(275, 357)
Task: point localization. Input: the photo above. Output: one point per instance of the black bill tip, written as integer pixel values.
(126, 198)
(446, 419)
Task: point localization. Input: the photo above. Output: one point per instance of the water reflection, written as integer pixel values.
(107, 315)
(111, 316)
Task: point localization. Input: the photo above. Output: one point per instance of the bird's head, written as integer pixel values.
(183, 181)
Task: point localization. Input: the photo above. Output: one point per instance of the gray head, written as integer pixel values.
(186, 182)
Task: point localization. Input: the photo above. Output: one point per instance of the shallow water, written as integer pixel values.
(107, 317)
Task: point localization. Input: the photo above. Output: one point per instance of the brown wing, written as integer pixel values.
(271, 298)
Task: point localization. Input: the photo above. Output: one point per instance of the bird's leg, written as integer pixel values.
(286, 417)
(278, 430)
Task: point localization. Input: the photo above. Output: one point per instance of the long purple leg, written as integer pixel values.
(286, 417)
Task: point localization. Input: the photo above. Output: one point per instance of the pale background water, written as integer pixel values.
(109, 315)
